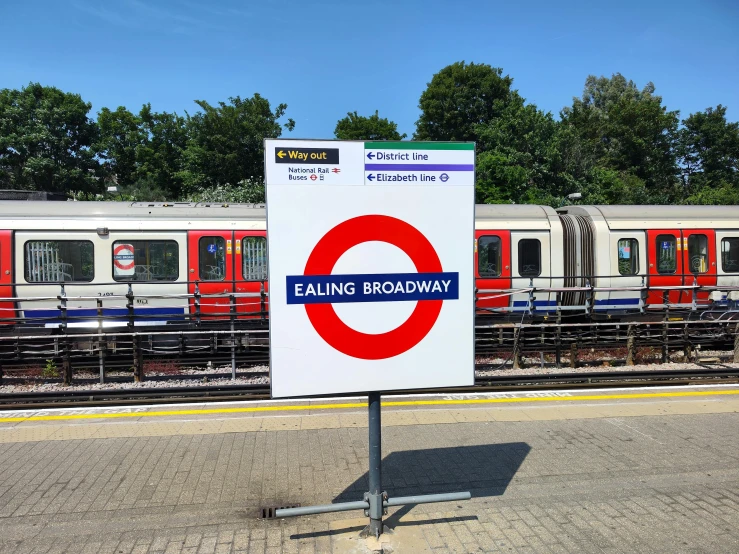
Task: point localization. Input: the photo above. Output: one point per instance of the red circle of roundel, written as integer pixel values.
(322, 260)
(119, 264)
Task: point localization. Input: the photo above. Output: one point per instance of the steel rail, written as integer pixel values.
(224, 393)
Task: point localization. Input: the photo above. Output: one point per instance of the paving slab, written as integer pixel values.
(618, 472)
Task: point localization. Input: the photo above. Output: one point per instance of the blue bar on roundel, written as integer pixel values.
(372, 287)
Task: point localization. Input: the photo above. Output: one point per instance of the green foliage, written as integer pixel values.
(160, 157)
(627, 130)
(617, 144)
(45, 141)
(50, 370)
(248, 191)
(708, 147)
(516, 155)
(374, 127)
(120, 137)
(145, 189)
(226, 142)
(459, 98)
(609, 186)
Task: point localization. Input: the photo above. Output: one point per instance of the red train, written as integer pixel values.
(608, 260)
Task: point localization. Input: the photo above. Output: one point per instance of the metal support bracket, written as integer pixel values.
(376, 501)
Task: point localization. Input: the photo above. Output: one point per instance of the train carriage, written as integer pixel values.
(669, 249)
(162, 253)
(184, 263)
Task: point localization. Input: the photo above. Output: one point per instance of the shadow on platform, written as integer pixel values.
(484, 470)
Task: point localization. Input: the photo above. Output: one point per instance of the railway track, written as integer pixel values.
(226, 393)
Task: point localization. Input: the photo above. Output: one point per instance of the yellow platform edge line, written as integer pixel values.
(304, 407)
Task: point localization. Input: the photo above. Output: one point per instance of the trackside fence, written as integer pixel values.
(100, 332)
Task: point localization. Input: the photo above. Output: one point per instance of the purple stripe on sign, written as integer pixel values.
(419, 167)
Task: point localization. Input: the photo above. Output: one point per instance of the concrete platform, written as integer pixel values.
(652, 470)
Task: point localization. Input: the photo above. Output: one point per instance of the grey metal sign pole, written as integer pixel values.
(376, 495)
(375, 501)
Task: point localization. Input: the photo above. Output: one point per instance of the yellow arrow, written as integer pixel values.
(281, 154)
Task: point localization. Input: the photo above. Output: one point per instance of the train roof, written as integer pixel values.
(660, 217)
(210, 210)
(514, 216)
(17, 209)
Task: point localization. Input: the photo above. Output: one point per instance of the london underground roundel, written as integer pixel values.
(319, 289)
(123, 259)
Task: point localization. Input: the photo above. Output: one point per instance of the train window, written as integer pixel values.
(212, 253)
(51, 261)
(146, 260)
(489, 256)
(666, 254)
(730, 255)
(698, 253)
(628, 257)
(529, 257)
(254, 258)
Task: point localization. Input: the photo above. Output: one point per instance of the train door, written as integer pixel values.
(699, 261)
(665, 266)
(728, 272)
(531, 263)
(492, 269)
(7, 310)
(211, 265)
(250, 266)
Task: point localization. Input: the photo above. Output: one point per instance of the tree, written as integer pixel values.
(627, 130)
(709, 157)
(45, 141)
(226, 145)
(161, 156)
(120, 137)
(374, 127)
(516, 156)
(459, 98)
(143, 152)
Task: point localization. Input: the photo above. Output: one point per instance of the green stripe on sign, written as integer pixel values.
(419, 145)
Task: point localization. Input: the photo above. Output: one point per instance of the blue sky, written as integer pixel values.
(328, 57)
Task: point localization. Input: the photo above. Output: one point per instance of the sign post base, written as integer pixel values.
(376, 500)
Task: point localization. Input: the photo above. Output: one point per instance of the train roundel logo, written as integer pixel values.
(123, 257)
(318, 289)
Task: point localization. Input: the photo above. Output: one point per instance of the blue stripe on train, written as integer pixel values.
(616, 303)
(77, 314)
(537, 303)
(605, 304)
(619, 301)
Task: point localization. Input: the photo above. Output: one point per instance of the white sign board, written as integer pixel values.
(371, 284)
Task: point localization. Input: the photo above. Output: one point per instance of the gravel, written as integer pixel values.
(211, 377)
(221, 375)
(606, 362)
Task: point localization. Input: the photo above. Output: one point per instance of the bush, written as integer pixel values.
(247, 191)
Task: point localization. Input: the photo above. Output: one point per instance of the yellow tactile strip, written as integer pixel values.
(361, 405)
(242, 420)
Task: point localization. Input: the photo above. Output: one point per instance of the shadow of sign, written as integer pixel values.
(484, 470)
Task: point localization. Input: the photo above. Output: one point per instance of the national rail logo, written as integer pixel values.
(318, 289)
